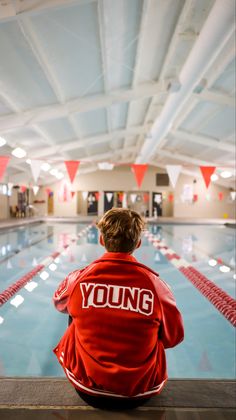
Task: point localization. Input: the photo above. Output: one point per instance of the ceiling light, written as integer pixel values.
(44, 275)
(18, 152)
(53, 172)
(59, 175)
(224, 269)
(2, 141)
(212, 263)
(226, 174)
(105, 166)
(17, 301)
(214, 177)
(45, 167)
(28, 161)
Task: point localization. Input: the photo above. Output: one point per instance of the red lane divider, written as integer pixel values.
(224, 303)
(15, 287)
(11, 290)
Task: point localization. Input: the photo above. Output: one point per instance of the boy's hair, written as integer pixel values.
(121, 229)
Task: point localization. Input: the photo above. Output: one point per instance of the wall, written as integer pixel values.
(4, 206)
(123, 177)
(202, 208)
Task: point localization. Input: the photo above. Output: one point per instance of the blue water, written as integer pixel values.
(30, 331)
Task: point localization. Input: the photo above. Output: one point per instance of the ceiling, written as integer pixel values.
(122, 81)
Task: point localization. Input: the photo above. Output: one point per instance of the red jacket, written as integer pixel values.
(124, 316)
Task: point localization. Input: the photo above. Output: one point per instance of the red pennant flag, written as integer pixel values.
(207, 171)
(23, 188)
(195, 197)
(97, 195)
(48, 190)
(145, 197)
(120, 196)
(72, 166)
(72, 194)
(171, 197)
(139, 172)
(220, 196)
(3, 164)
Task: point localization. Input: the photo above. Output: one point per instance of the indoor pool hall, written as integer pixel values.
(117, 210)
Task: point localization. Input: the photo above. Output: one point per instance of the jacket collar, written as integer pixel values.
(118, 256)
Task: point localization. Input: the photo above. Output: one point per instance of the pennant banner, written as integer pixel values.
(171, 198)
(109, 196)
(10, 185)
(146, 197)
(173, 173)
(72, 167)
(35, 189)
(72, 194)
(133, 198)
(139, 172)
(120, 196)
(48, 190)
(220, 196)
(85, 195)
(36, 168)
(233, 195)
(195, 197)
(207, 171)
(97, 195)
(3, 164)
(23, 188)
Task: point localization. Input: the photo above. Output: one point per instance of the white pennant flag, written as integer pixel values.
(233, 195)
(109, 197)
(10, 185)
(124, 201)
(35, 189)
(34, 263)
(36, 168)
(9, 265)
(173, 173)
(85, 195)
(158, 198)
(133, 197)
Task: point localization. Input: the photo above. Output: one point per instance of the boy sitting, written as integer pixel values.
(123, 317)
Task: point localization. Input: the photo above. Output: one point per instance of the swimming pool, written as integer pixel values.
(30, 326)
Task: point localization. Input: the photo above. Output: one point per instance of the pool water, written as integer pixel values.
(30, 329)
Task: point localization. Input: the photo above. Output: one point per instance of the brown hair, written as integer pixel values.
(121, 229)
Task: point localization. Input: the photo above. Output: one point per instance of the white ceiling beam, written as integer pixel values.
(185, 158)
(137, 59)
(220, 25)
(9, 12)
(80, 105)
(176, 36)
(89, 141)
(215, 97)
(205, 141)
(103, 46)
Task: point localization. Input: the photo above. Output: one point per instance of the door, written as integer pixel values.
(156, 204)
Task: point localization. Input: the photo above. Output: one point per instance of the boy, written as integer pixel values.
(123, 317)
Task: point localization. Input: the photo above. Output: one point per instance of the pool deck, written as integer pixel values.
(181, 396)
(11, 223)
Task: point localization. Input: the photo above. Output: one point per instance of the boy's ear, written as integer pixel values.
(101, 240)
(139, 243)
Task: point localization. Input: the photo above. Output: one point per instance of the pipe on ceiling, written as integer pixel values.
(215, 33)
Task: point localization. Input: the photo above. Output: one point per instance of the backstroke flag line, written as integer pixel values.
(207, 171)
(139, 172)
(3, 164)
(173, 173)
(72, 167)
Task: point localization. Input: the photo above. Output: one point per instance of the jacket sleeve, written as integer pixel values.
(171, 330)
(63, 292)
